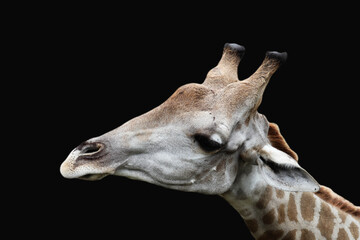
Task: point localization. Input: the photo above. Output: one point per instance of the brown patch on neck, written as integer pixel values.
(290, 235)
(264, 198)
(271, 235)
(326, 221)
(343, 235)
(269, 217)
(278, 141)
(252, 225)
(307, 235)
(334, 199)
(292, 212)
(307, 206)
(342, 216)
(279, 193)
(354, 230)
(281, 213)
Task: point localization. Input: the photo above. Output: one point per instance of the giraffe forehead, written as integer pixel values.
(190, 101)
(190, 97)
(191, 105)
(193, 96)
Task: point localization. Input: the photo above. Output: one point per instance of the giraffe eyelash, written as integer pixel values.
(276, 167)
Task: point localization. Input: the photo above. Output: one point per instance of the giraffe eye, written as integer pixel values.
(209, 143)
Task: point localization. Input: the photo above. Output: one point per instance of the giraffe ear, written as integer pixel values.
(282, 171)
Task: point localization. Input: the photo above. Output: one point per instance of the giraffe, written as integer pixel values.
(209, 138)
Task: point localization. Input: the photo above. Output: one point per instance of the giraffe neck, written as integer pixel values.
(270, 213)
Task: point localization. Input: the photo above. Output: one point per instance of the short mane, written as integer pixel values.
(331, 197)
(278, 141)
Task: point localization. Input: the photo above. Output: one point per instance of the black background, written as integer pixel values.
(88, 69)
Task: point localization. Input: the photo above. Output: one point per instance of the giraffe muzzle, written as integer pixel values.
(88, 161)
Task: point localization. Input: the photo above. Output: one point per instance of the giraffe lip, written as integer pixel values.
(93, 177)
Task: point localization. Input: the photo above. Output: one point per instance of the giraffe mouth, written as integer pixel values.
(93, 177)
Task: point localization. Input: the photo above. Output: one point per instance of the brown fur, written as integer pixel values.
(307, 235)
(292, 212)
(342, 234)
(188, 98)
(269, 217)
(281, 213)
(354, 230)
(265, 198)
(271, 235)
(290, 235)
(326, 221)
(279, 193)
(307, 206)
(252, 225)
(329, 196)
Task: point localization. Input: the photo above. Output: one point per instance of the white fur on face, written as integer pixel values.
(179, 162)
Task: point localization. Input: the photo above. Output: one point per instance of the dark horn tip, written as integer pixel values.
(281, 57)
(240, 50)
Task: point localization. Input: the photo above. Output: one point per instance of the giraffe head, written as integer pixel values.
(195, 140)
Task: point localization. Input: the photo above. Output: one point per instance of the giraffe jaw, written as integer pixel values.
(212, 180)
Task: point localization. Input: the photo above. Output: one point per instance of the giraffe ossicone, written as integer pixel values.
(209, 138)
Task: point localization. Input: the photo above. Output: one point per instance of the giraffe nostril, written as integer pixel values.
(89, 149)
